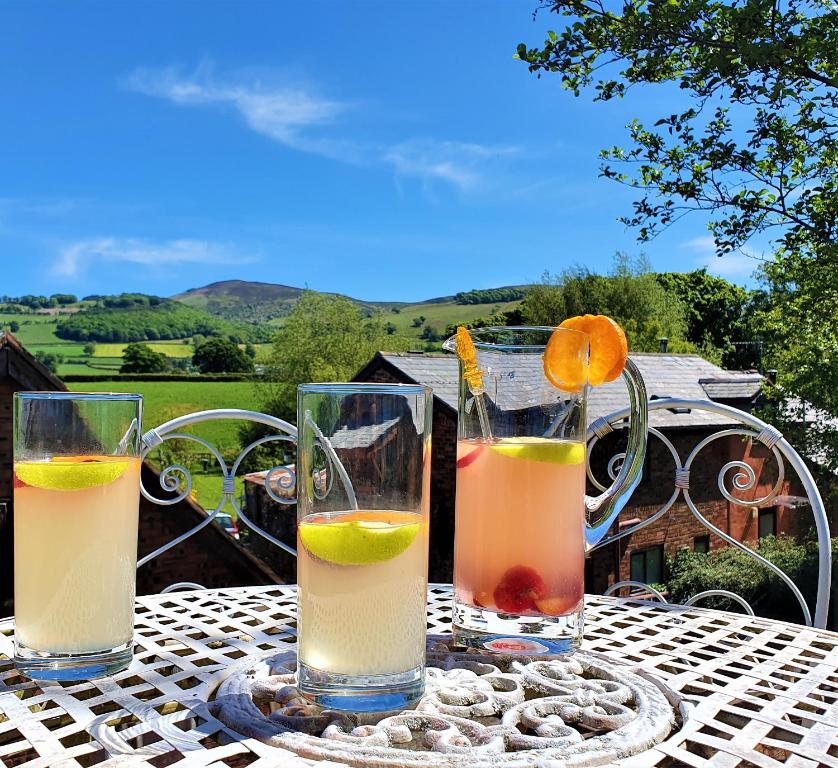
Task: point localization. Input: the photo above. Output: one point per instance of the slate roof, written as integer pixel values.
(361, 437)
(742, 387)
(666, 375)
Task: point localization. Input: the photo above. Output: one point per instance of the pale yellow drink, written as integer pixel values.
(363, 592)
(75, 535)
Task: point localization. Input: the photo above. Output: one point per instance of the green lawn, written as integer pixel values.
(164, 400)
(34, 329)
(175, 348)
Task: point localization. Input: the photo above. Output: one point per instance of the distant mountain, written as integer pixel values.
(248, 301)
(258, 303)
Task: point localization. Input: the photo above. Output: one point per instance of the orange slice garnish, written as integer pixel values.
(564, 361)
(467, 352)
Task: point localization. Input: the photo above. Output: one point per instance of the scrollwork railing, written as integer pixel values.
(742, 479)
(177, 479)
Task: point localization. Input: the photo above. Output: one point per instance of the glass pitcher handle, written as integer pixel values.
(603, 509)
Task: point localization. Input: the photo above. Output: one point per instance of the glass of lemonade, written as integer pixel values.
(363, 480)
(76, 503)
(521, 531)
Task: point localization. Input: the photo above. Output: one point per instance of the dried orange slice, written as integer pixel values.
(564, 363)
(467, 352)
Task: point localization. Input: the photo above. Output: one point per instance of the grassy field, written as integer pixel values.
(163, 400)
(440, 315)
(34, 329)
(175, 348)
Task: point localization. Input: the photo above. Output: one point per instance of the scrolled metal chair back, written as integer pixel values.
(746, 426)
(177, 479)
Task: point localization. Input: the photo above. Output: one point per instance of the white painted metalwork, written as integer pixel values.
(636, 588)
(756, 692)
(742, 479)
(177, 478)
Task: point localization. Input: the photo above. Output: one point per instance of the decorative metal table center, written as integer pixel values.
(478, 710)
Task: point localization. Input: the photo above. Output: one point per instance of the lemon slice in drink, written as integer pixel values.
(540, 449)
(357, 542)
(70, 473)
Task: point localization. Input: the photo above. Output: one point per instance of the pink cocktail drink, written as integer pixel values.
(520, 526)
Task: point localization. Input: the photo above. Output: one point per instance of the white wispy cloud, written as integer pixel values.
(298, 118)
(280, 113)
(455, 162)
(738, 265)
(77, 257)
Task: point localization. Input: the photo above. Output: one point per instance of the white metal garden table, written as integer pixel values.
(746, 692)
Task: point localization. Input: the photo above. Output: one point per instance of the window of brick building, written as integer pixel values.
(701, 544)
(647, 565)
(767, 522)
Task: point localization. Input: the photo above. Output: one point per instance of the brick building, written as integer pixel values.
(642, 554)
(210, 557)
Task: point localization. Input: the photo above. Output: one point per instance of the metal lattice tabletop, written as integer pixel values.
(752, 692)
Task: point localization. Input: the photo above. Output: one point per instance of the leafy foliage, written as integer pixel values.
(132, 318)
(777, 65)
(490, 295)
(141, 358)
(630, 294)
(719, 314)
(221, 356)
(754, 147)
(731, 569)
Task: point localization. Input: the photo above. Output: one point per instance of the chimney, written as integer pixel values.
(664, 343)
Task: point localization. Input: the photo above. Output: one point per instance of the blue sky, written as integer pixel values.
(386, 150)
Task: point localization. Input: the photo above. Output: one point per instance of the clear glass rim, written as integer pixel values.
(476, 333)
(49, 395)
(352, 387)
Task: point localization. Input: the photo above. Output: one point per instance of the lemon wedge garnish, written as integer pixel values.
(540, 449)
(357, 542)
(70, 473)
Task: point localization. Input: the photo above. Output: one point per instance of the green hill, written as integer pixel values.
(256, 302)
(136, 317)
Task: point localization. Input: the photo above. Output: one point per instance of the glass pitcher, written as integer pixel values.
(523, 522)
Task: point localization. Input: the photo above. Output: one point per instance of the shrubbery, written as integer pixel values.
(736, 571)
(133, 317)
(490, 296)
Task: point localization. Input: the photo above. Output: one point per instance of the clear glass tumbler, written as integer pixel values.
(76, 503)
(363, 464)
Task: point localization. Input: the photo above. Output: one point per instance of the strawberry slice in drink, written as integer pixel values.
(519, 589)
(470, 457)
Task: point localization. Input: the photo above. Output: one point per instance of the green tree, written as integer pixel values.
(89, 349)
(250, 351)
(324, 338)
(141, 358)
(48, 360)
(14, 326)
(221, 356)
(630, 294)
(752, 146)
(719, 314)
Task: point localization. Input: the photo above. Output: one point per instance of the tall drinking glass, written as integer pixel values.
(521, 532)
(363, 463)
(76, 503)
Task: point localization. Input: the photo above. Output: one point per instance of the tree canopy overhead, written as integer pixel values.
(753, 146)
(772, 162)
